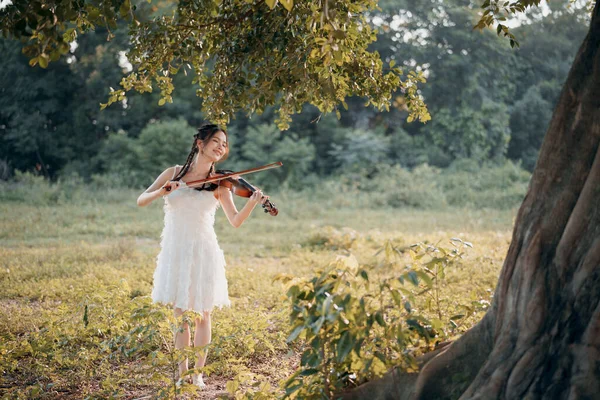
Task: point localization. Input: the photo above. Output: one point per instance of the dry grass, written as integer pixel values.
(57, 259)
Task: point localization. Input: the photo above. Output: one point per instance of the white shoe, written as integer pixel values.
(197, 381)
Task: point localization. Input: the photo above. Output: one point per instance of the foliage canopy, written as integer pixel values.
(245, 55)
(479, 92)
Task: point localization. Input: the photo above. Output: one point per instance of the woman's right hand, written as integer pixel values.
(169, 187)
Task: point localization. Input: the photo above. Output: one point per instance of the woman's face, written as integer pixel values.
(215, 148)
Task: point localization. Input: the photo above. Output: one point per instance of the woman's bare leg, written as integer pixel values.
(182, 340)
(202, 338)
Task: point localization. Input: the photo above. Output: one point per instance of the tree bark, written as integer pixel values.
(541, 337)
(546, 310)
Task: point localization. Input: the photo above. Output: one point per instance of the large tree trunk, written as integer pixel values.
(541, 337)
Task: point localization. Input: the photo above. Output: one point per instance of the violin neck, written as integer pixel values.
(247, 185)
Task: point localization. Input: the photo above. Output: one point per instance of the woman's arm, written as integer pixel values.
(158, 188)
(236, 218)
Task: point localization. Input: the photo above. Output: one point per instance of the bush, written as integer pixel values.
(491, 186)
(360, 151)
(466, 184)
(357, 322)
(333, 239)
(29, 188)
(263, 140)
(139, 161)
(415, 189)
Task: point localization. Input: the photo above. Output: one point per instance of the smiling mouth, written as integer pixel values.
(218, 153)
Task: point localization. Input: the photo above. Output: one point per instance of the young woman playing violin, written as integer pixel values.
(190, 271)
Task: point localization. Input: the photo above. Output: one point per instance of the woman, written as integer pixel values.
(190, 271)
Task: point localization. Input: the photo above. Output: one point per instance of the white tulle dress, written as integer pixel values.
(190, 268)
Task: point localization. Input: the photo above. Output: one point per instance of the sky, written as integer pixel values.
(5, 3)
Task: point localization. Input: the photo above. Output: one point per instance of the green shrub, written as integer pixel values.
(139, 161)
(360, 151)
(487, 186)
(266, 140)
(466, 184)
(357, 322)
(333, 239)
(415, 189)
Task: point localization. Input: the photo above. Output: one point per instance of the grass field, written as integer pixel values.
(76, 320)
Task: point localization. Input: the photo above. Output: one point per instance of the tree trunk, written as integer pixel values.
(541, 337)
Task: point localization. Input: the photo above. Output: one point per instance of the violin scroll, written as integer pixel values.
(270, 208)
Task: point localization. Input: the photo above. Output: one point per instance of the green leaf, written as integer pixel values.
(288, 4)
(425, 278)
(379, 319)
(124, 9)
(413, 278)
(232, 386)
(326, 306)
(344, 346)
(271, 3)
(291, 389)
(93, 13)
(380, 356)
(416, 325)
(364, 275)
(316, 326)
(294, 334)
(161, 102)
(308, 372)
(43, 60)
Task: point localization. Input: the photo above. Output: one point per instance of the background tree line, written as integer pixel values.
(488, 103)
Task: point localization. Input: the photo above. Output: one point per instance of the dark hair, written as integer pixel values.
(204, 134)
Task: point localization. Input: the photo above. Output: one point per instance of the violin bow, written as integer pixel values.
(225, 176)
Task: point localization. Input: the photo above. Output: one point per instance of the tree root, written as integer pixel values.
(445, 372)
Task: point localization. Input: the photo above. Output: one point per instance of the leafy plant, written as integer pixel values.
(351, 332)
(355, 323)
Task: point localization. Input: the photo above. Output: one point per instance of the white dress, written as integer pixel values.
(190, 268)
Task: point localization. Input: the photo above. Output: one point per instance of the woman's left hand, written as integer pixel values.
(259, 197)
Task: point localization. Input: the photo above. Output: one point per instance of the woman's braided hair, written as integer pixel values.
(204, 134)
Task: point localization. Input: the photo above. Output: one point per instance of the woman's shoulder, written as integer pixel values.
(175, 170)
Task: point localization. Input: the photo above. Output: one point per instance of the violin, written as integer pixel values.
(238, 186)
(243, 188)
